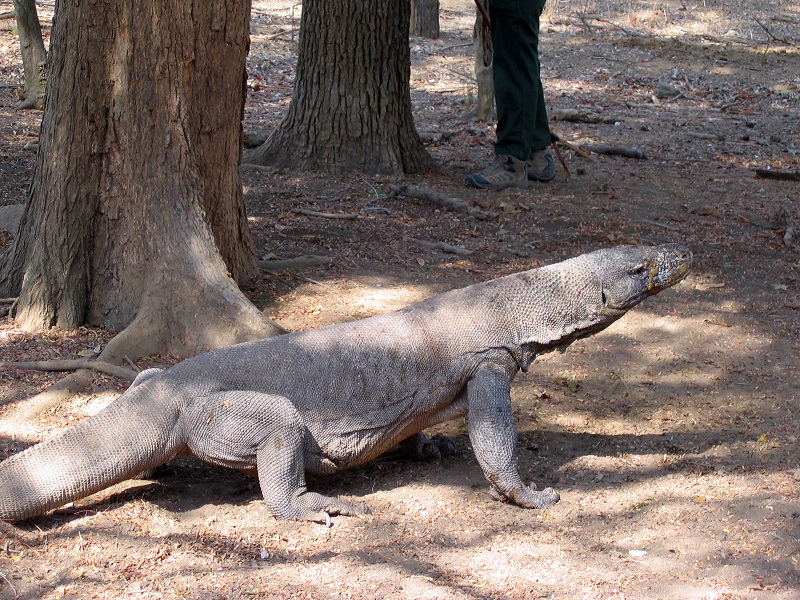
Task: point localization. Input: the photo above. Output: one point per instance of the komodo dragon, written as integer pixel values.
(332, 398)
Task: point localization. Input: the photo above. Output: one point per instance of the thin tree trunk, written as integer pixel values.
(142, 104)
(351, 109)
(425, 18)
(34, 56)
(482, 40)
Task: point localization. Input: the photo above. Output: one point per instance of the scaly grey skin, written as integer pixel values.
(328, 399)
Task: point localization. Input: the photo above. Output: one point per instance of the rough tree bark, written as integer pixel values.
(425, 18)
(34, 55)
(139, 151)
(351, 109)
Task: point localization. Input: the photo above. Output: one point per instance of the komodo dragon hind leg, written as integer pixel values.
(281, 474)
(241, 430)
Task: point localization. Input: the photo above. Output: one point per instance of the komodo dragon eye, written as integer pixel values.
(640, 270)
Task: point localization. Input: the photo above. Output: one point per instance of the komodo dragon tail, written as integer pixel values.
(133, 434)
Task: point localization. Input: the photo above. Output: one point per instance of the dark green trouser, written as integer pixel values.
(522, 125)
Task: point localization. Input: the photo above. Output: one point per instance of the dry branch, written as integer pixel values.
(575, 115)
(444, 247)
(775, 37)
(780, 175)
(445, 202)
(584, 18)
(299, 262)
(617, 151)
(73, 365)
(431, 136)
(324, 215)
(278, 34)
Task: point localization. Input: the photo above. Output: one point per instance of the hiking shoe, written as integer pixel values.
(504, 171)
(541, 166)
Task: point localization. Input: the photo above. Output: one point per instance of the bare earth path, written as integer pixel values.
(672, 436)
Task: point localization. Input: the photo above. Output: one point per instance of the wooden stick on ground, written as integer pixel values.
(780, 175)
(73, 365)
(445, 202)
(444, 247)
(294, 263)
(325, 215)
(580, 150)
(617, 151)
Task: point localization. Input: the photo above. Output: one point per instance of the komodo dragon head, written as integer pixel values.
(629, 274)
(586, 294)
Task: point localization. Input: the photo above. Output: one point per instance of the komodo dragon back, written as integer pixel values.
(373, 384)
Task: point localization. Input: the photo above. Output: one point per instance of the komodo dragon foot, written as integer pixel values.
(336, 507)
(421, 447)
(528, 497)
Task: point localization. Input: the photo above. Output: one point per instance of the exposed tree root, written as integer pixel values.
(61, 391)
(72, 365)
(33, 103)
(215, 317)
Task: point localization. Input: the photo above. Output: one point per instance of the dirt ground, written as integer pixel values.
(672, 436)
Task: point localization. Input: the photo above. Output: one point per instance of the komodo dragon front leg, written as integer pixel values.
(244, 430)
(493, 434)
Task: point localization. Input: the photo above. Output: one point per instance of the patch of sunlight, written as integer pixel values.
(70, 414)
(385, 299)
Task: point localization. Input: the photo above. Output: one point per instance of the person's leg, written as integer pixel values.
(522, 125)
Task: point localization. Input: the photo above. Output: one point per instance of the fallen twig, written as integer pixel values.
(775, 37)
(73, 364)
(444, 247)
(431, 136)
(324, 215)
(781, 175)
(132, 364)
(278, 34)
(574, 147)
(575, 115)
(584, 18)
(617, 151)
(659, 224)
(445, 202)
(309, 280)
(299, 262)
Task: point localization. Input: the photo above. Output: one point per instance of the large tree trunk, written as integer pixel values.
(34, 56)
(425, 18)
(140, 143)
(351, 109)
